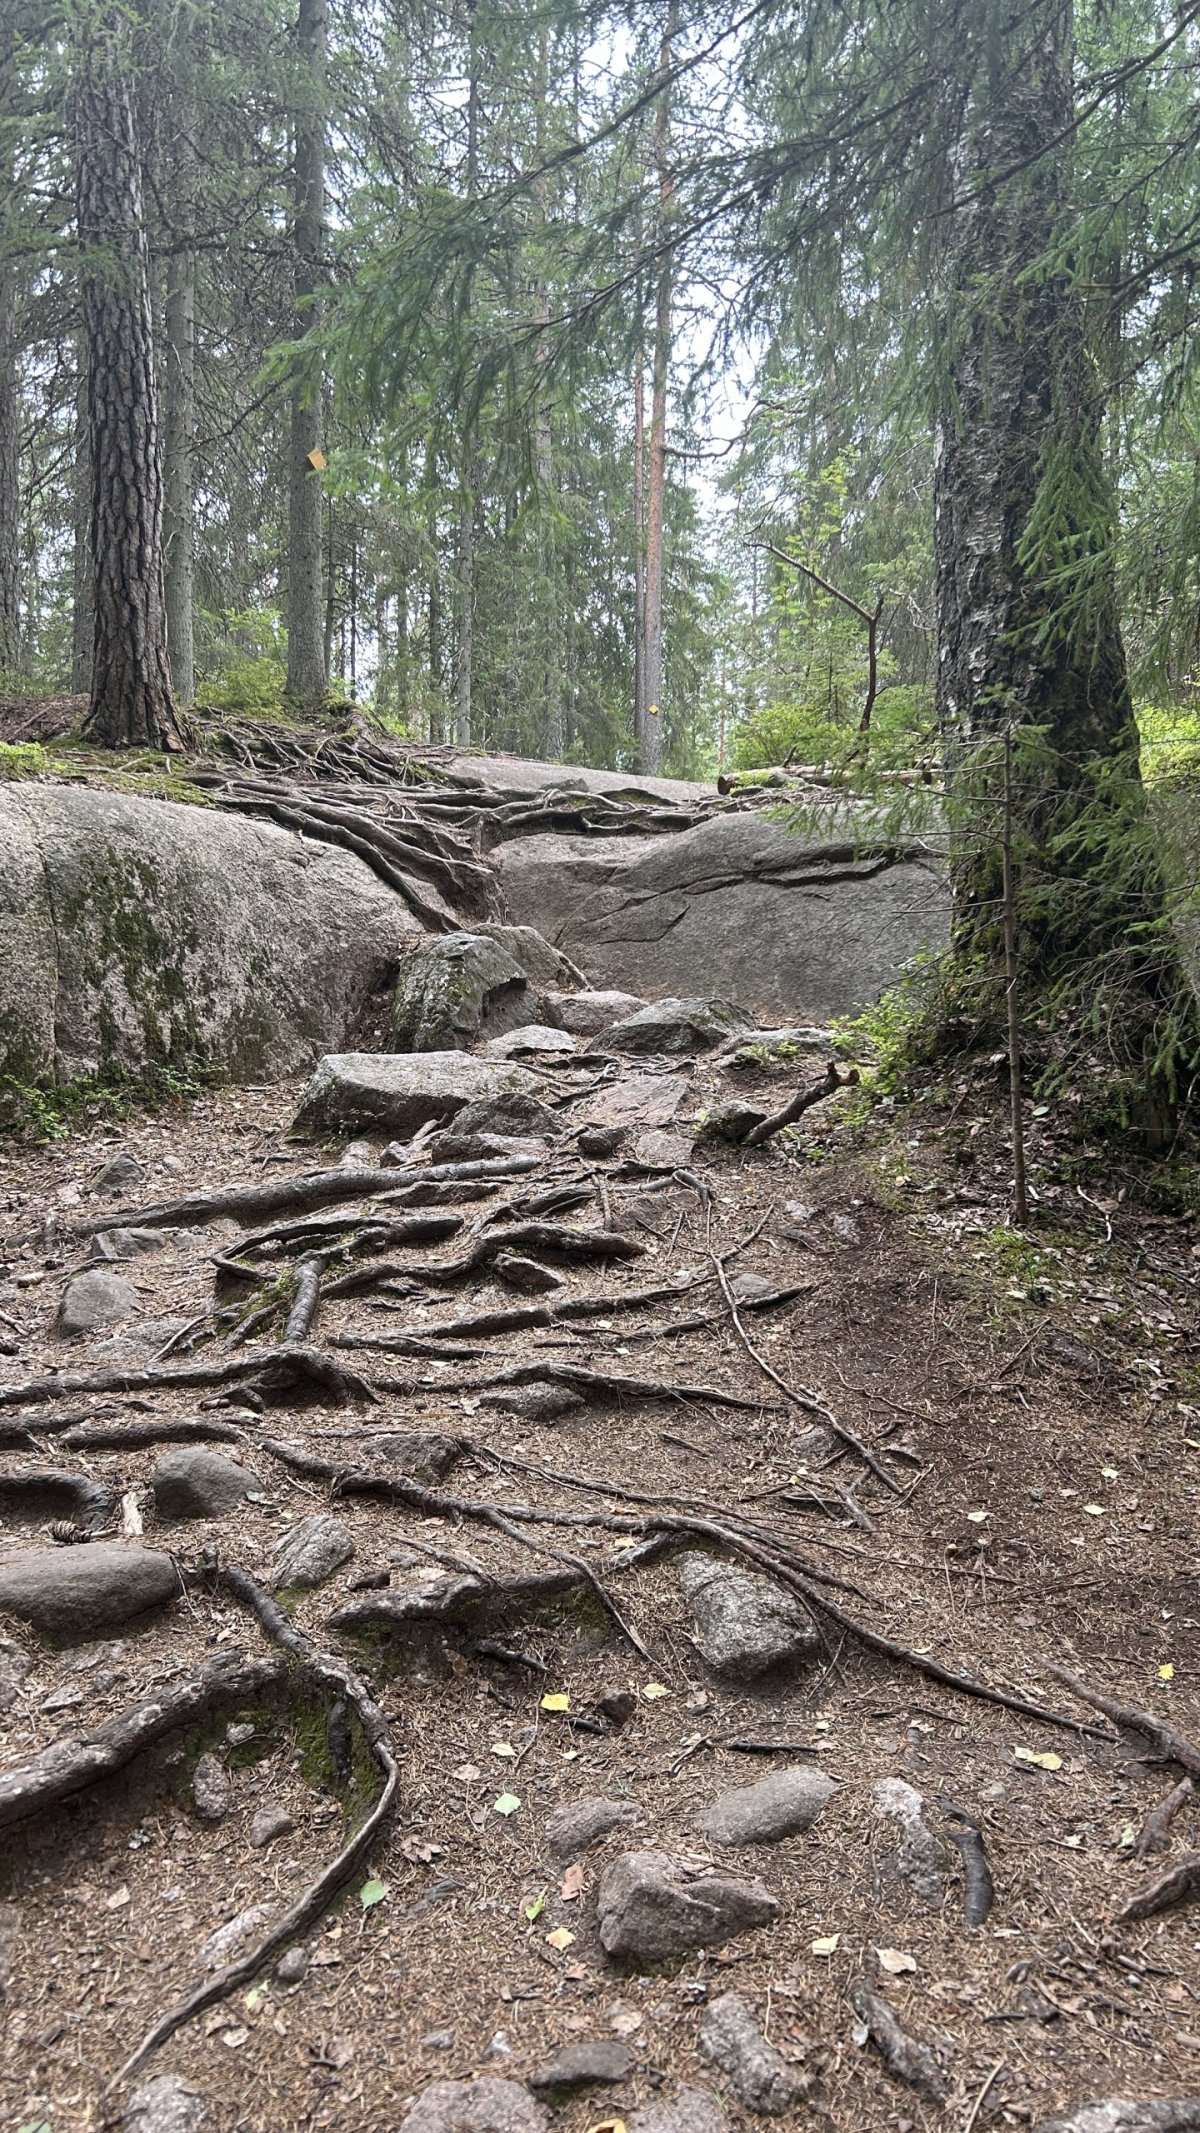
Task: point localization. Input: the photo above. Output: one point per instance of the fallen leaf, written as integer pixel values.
(653, 1690)
(977, 1517)
(466, 1773)
(419, 1852)
(562, 1937)
(233, 2039)
(608, 2125)
(1109, 1473)
(559, 1700)
(507, 1804)
(1049, 1761)
(570, 1888)
(118, 1899)
(826, 1946)
(503, 1748)
(570, 1755)
(1075, 1843)
(255, 1997)
(1094, 1510)
(624, 2021)
(697, 1701)
(1167, 1672)
(895, 1961)
(371, 1893)
(536, 1906)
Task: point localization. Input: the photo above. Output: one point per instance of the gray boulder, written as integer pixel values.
(594, 2060)
(194, 1483)
(543, 965)
(73, 1592)
(536, 1403)
(585, 1014)
(355, 1091)
(485, 2105)
(110, 1244)
(532, 1037)
(573, 1829)
(508, 1117)
(311, 1552)
(745, 1623)
(164, 2105)
(135, 932)
(678, 1026)
(119, 1175)
(425, 1454)
(648, 1912)
(761, 2078)
(95, 1298)
(456, 988)
(690, 2110)
(783, 1804)
(830, 927)
(779, 1047)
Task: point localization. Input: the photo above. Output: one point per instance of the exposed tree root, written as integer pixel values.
(328, 1674)
(47, 1492)
(268, 1370)
(910, 2061)
(1176, 1885)
(1174, 1747)
(131, 1436)
(554, 1238)
(1155, 1832)
(69, 1766)
(835, 1078)
(806, 1401)
(978, 1892)
(315, 1188)
(305, 1300)
(359, 1234)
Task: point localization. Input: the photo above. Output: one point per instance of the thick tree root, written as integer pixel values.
(328, 1674)
(268, 1370)
(316, 1188)
(552, 1238)
(592, 1383)
(1174, 1747)
(1179, 1883)
(978, 1891)
(1155, 1832)
(69, 1766)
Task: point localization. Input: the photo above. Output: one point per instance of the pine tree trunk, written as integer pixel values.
(307, 671)
(179, 412)
(466, 618)
(10, 483)
(639, 548)
(652, 737)
(83, 608)
(131, 697)
(1029, 638)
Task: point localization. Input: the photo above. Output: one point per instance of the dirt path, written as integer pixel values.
(1034, 1413)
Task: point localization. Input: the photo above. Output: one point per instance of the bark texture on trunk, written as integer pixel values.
(652, 730)
(131, 697)
(179, 407)
(10, 482)
(83, 609)
(1020, 485)
(307, 675)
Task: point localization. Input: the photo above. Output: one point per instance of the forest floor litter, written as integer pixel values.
(824, 1365)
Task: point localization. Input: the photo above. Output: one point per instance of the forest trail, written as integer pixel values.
(986, 1456)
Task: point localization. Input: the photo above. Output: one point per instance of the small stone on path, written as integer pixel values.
(648, 1912)
(485, 2105)
(212, 1792)
(583, 2065)
(192, 1482)
(293, 1965)
(76, 1591)
(164, 2105)
(438, 2040)
(745, 1623)
(919, 1859)
(688, 2111)
(117, 1176)
(680, 1026)
(535, 1403)
(270, 1822)
(95, 1298)
(783, 1804)
(311, 1553)
(1126, 2114)
(573, 1829)
(110, 1244)
(761, 2077)
(518, 1272)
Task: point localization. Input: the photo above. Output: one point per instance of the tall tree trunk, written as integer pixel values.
(10, 398)
(1029, 639)
(83, 607)
(639, 544)
(554, 735)
(652, 738)
(307, 669)
(131, 697)
(179, 399)
(463, 677)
